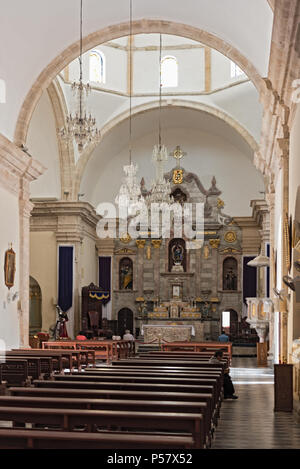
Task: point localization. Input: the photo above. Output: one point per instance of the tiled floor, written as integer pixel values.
(249, 421)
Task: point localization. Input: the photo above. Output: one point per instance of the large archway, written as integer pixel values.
(138, 27)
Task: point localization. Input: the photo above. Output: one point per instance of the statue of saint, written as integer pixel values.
(126, 277)
(177, 254)
(231, 280)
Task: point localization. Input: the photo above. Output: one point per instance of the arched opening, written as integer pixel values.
(125, 321)
(177, 255)
(138, 27)
(230, 274)
(35, 307)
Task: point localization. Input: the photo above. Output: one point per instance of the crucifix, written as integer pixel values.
(178, 173)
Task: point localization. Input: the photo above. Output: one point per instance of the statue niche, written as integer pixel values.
(126, 274)
(177, 255)
(230, 274)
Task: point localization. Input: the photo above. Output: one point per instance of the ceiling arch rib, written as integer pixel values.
(66, 152)
(113, 32)
(144, 108)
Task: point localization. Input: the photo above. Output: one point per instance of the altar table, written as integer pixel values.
(154, 333)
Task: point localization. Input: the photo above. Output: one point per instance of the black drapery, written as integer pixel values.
(65, 277)
(249, 279)
(104, 275)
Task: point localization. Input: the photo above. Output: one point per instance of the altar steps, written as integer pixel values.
(146, 347)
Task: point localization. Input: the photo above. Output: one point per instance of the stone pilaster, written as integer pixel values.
(18, 170)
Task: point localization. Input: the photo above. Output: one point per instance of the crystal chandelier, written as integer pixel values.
(80, 126)
(161, 188)
(130, 196)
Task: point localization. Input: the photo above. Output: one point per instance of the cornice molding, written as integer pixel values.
(15, 165)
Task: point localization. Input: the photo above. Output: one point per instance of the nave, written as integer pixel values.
(250, 422)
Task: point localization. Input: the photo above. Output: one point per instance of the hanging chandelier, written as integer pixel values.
(80, 125)
(130, 196)
(161, 188)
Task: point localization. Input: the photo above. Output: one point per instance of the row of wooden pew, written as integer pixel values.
(148, 402)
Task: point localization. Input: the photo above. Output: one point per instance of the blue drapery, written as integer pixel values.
(104, 275)
(249, 279)
(65, 277)
(268, 272)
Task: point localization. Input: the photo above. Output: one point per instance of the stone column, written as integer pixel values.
(270, 197)
(25, 208)
(32, 172)
(283, 144)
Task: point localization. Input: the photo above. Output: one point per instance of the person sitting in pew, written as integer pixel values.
(128, 336)
(229, 391)
(81, 336)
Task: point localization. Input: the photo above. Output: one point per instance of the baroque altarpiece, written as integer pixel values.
(177, 282)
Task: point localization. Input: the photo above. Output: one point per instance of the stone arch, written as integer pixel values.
(66, 152)
(170, 103)
(142, 26)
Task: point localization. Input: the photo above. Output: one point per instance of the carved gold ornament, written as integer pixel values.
(214, 243)
(230, 237)
(140, 243)
(148, 255)
(125, 238)
(206, 252)
(156, 243)
(177, 176)
(221, 203)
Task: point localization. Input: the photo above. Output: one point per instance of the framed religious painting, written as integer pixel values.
(9, 268)
(176, 293)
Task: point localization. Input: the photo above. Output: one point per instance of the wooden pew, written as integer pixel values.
(15, 372)
(157, 369)
(83, 393)
(93, 385)
(70, 358)
(199, 346)
(136, 375)
(37, 366)
(148, 386)
(103, 349)
(167, 362)
(167, 400)
(56, 357)
(182, 354)
(68, 419)
(34, 439)
(111, 404)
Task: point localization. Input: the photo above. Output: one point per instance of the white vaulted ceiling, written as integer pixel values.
(35, 32)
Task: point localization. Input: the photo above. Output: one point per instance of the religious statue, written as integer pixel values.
(206, 309)
(60, 328)
(177, 254)
(230, 280)
(143, 309)
(126, 275)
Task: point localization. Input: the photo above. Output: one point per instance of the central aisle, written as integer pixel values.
(250, 422)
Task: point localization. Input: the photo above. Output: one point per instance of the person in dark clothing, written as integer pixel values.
(229, 391)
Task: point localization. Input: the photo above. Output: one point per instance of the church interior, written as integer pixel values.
(150, 224)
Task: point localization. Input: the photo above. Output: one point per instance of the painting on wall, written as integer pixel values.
(10, 268)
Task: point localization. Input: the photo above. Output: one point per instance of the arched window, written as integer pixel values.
(126, 274)
(169, 71)
(97, 66)
(236, 71)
